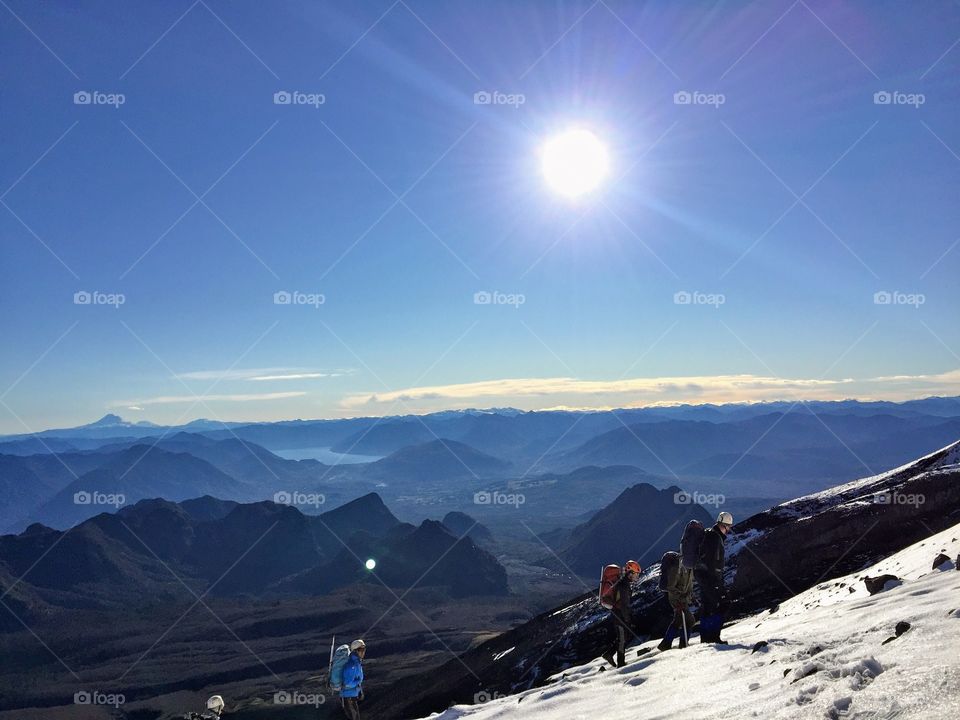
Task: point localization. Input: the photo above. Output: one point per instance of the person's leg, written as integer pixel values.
(351, 709)
(613, 636)
(621, 645)
(709, 609)
(669, 635)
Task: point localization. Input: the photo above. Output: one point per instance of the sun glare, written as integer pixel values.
(574, 162)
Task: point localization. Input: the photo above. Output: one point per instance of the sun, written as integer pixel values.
(574, 162)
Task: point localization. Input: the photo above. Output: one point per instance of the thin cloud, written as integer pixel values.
(294, 376)
(261, 374)
(236, 397)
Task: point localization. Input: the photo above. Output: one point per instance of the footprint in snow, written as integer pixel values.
(840, 708)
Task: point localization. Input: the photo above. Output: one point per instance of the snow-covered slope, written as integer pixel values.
(793, 546)
(825, 653)
(867, 489)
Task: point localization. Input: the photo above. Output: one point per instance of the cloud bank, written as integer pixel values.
(544, 393)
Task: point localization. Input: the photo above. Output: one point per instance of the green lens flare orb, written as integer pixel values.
(370, 564)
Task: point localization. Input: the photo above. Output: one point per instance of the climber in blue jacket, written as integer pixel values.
(352, 691)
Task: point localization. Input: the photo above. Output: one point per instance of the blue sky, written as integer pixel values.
(781, 209)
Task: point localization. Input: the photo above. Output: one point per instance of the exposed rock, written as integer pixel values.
(940, 560)
(877, 584)
(902, 627)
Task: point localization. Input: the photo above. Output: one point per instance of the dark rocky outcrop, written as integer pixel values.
(879, 583)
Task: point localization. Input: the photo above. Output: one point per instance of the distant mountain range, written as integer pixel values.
(565, 465)
(498, 431)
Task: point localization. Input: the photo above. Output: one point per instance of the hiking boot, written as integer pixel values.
(609, 658)
(665, 645)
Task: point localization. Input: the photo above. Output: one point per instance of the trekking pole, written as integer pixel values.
(333, 641)
(686, 638)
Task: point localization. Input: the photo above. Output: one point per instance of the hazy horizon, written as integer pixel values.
(485, 409)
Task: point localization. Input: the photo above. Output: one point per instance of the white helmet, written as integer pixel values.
(215, 703)
(357, 645)
(725, 518)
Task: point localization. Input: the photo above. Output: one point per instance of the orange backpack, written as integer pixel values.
(609, 577)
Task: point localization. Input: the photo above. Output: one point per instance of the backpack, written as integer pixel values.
(609, 577)
(337, 663)
(669, 564)
(690, 544)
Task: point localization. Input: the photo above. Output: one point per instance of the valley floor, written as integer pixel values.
(825, 657)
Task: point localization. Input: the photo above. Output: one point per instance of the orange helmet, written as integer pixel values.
(632, 566)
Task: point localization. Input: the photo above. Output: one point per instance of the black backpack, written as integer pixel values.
(690, 544)
(669, 564)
